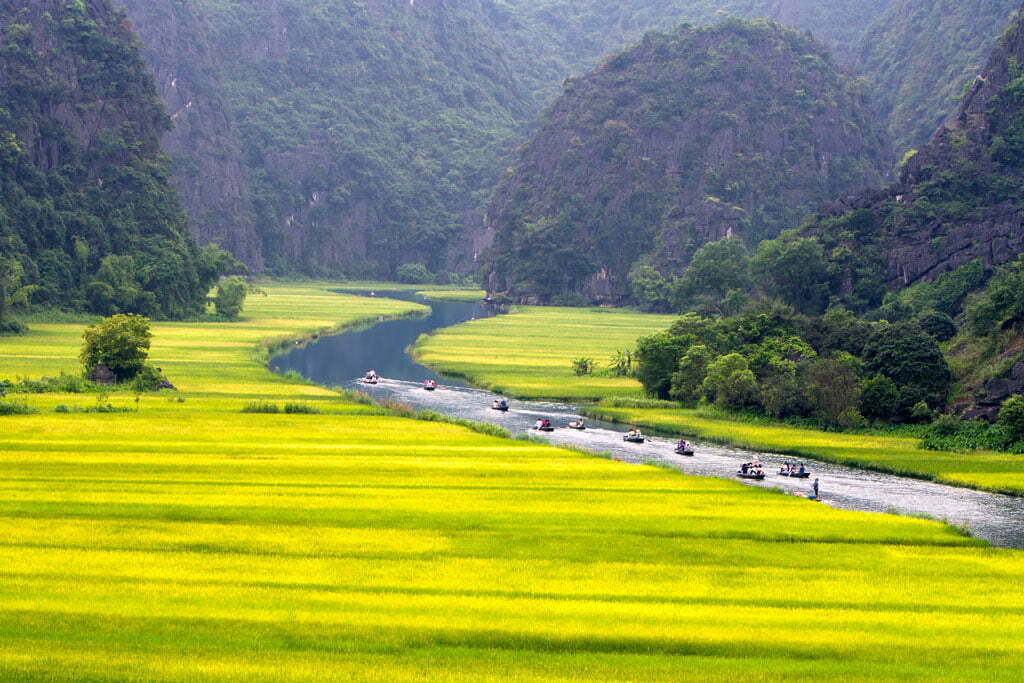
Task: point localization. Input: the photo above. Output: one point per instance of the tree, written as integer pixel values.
(911, 358)
(12, 295)
(717, 269)
(1011, 416)
(120, 342)
(730, 383)
(688, 379)
(880, 398)
(833, 387)
(780, 391)
(230, 299)
(657, 358)
(1002, 304)
(414, 274)
(795, 271)
(938, 325)
(650, 288)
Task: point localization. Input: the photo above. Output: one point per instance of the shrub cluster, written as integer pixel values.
(835, 368)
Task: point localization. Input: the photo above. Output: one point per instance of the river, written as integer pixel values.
(340, 360)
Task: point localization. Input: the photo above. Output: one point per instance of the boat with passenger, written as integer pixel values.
(684, 447)
(430, 385)
(371, 377)
(543, 425)
(794, 471)
(500, 405)
(634, 436)
(751, 470)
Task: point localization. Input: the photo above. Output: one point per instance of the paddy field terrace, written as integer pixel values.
(191, 540)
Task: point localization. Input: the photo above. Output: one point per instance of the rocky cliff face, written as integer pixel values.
(691, 136)
(86, 207)
(960, 199)
(203, 145)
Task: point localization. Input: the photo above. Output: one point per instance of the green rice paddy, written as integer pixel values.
(529, 352)
(192, 541)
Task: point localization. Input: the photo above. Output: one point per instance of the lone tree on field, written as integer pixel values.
(120, 342)
(230, 299)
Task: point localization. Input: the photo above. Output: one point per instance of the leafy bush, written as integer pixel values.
(148, 379)
(938, 325)
(300, 409)
(120, 342)
(16, 408)
(583, 366)
(1011, 417)
(264, 407)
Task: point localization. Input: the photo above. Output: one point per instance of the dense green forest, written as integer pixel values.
(932, 264)
(738, 129)
(88, 218)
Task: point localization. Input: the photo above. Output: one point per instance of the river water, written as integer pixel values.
(342, 359)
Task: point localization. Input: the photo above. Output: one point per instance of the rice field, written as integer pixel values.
(191, 541)
(529, 352)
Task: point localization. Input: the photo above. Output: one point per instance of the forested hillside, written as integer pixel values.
(208, 169)
(959, 200)
(691, 136)
(919, 55)
(371, 134)
(88, 217)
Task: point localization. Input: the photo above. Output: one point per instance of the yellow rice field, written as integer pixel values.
(529, 353)
(191, 541)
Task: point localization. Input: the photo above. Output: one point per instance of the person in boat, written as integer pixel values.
(539, 425)
(683, 445)
(802, 470)
(744, 468)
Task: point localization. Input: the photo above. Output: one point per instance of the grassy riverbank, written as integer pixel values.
(991, 471)
(529, 352)
(192, 541)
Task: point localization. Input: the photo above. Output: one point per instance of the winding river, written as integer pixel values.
(341, 359)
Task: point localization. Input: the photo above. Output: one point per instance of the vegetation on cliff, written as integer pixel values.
(86, 208)
(693, 135)
(919, 56)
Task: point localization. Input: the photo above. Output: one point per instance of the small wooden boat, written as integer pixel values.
(430, 385)
(578, 425)
(501, 406)
(545, 428)
(751, 474)
(634, 437)
(371, 379)
(795, 473)
(684, 451)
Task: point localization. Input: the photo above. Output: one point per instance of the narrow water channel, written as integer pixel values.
(342, 359)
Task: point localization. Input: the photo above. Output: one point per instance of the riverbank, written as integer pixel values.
(997, 472)
(528, 354)
(192, 540)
